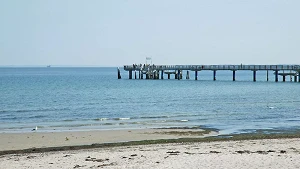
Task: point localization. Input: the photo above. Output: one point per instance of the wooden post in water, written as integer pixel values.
(119, 74)
(295, 78)
(139, 74)
(233, 75)
(215, 72)
(169, 75)
(283, 78)
(196, 75)
(135, 74)
(142, 75)
(162, 74)
(130, 74)
(276, 75)
(178, 74)
(187, 74)
(267, 75)
(254, 75)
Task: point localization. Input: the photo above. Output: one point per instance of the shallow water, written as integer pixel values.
(59, 99)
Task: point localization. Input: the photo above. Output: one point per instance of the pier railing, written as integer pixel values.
(212, 67)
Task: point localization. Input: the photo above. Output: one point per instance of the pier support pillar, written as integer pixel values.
(283, 78)
(196, 75)
(233, 75)
(215, 72)
(295, 78)
(162, 74)
(254, 75)
(147, 76)
(130, 74)
(142, 75)
(267, 75)
(135, 74)
(276, 75)
(178, 74)
(169, 75)
(119, 74)
(187, 74)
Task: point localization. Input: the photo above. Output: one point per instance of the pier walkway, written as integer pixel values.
(153, 71)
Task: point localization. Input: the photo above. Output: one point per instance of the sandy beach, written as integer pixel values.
(274, 153)
(19, 141)
(264, 153)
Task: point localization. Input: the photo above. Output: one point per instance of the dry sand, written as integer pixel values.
(275, 153)
(272, 153)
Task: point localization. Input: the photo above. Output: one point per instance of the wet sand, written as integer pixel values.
(19, 141)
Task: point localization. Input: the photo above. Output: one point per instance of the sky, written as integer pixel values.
(120, 32)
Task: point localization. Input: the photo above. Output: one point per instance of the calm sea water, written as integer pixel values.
(60, 99)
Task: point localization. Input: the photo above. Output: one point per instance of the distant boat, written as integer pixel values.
(49, 66)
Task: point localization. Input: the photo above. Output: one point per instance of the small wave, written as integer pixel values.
(68, 120)
(154, 117)
(122, 118)
(39, 110)
(37, 116)
(101, 119)
(108, 124)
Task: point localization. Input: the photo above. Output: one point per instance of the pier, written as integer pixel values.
(152, 71)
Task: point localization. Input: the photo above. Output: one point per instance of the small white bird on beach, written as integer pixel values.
(35, 129)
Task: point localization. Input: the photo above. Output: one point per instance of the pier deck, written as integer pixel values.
(153, 71)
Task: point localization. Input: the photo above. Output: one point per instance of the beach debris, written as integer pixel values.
(282, 151)
(67, 155)
(261, 152)
(95, 159)
(133, 155)
(78, 166)
(216, 152)
(110, 164)
(30, 157)
(67, 139)
(173, 152)
(242, 152)
(271, 151)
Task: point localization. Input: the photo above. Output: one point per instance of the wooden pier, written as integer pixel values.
(154, 71)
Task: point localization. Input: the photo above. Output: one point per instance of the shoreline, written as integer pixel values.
(54, 141)
(38, 142)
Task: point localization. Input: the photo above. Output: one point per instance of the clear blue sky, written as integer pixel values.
(113, 33)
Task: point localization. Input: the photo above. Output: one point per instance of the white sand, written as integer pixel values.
(275, 153)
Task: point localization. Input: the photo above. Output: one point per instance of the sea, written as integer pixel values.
(59, 99)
